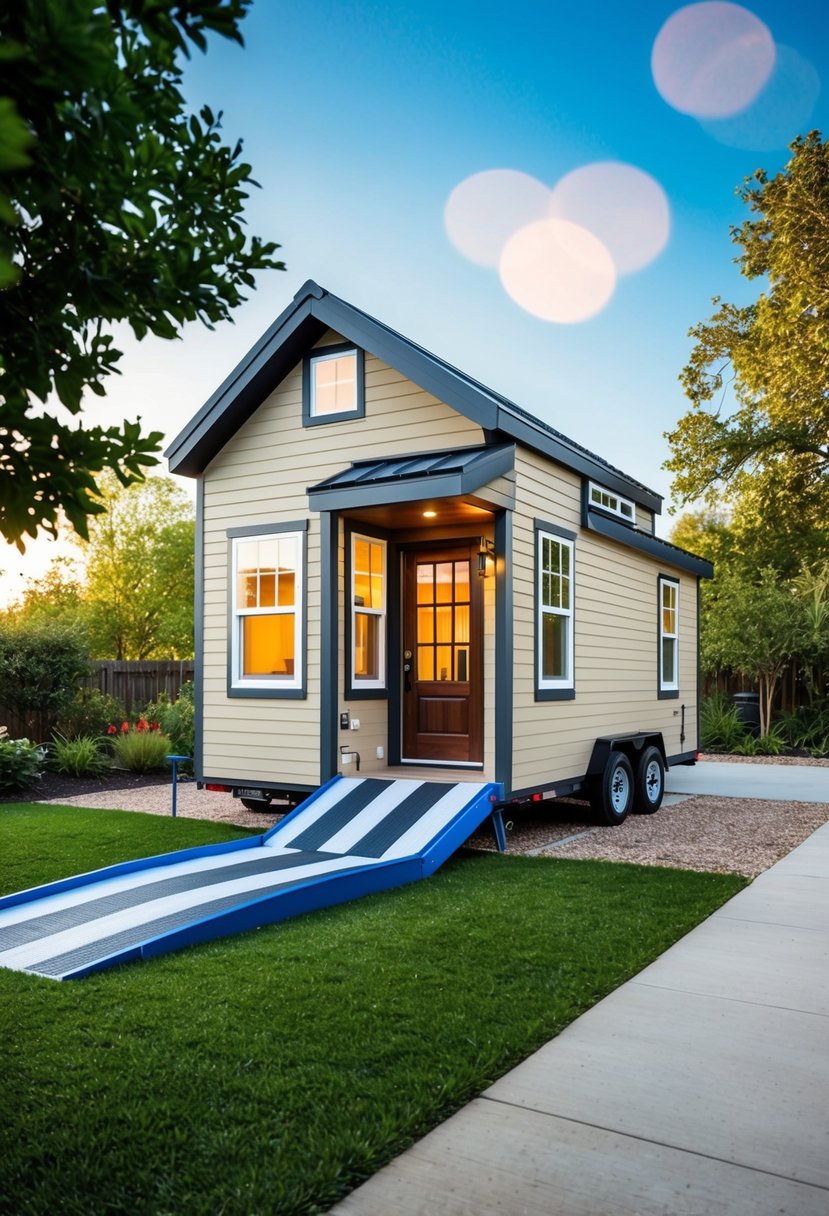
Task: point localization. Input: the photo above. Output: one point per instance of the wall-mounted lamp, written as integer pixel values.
(486, 550)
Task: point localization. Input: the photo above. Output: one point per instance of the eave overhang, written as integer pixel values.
(645, 542)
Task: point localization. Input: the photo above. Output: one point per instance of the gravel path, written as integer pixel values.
(743, 836)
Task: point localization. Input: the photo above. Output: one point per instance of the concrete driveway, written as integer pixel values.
(780, 782)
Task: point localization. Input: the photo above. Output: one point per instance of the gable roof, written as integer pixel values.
(312, 312)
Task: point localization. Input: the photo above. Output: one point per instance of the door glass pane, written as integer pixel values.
(425, 583)
(462, 663)
(462, 623)
(443, 582)
(444, 623)
(462, 582)
(444, 662)
(425, 624)
(425, 662)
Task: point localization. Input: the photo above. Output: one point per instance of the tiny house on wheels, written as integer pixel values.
(402, 574)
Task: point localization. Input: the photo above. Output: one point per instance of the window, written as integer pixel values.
(267, 611)
(368, 612)
(668, 637)
(554, 615)
(608, 501)
(333, 385)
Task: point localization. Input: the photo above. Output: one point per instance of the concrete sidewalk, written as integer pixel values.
(724, 779)
(700, 1087)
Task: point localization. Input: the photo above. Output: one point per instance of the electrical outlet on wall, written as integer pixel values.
(355, 723)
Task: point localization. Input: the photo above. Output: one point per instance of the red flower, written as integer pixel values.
(142, 724)
(154, 726)
(125, 728)
(112, 730)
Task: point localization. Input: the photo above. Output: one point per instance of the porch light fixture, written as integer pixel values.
(485, 550)
(430, 514)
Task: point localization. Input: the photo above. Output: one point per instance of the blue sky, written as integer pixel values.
(361, 118)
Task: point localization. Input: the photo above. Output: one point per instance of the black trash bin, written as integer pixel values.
(748, 710)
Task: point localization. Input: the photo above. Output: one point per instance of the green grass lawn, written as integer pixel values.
(273, 1071)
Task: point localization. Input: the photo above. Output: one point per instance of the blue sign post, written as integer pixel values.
(174, 760)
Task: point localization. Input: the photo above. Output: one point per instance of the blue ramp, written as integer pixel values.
(352, 837)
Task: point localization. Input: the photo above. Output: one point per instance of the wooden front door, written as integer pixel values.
(442, 658)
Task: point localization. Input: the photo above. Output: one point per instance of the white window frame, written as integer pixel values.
(668, 686)
(274, 683)
(360, 682)
(608, 500)
(567, 681)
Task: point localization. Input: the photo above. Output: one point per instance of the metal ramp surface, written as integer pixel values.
(352, 837)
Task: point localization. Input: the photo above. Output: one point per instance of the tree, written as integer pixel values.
(754, 626)
(124, 208)
(139, 573)
(773, 355)
(129, 592)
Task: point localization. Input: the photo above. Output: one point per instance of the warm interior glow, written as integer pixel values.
(268, 645)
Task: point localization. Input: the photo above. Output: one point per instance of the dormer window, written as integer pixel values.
(606, 500)
(333, 388)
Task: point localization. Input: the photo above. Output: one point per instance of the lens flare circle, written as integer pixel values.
(623, 206)
(785, 105)
(484, 210)
(557, 270)
(712, 59)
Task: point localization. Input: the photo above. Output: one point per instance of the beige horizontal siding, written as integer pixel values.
(262, 476)
(615, 630)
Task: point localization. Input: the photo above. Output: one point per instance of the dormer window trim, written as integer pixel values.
(316, 412)
(601, 499)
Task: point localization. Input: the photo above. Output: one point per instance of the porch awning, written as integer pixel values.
(371, 483)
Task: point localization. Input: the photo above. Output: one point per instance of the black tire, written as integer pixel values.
(649, 783)
(256, 804)
(611, 795)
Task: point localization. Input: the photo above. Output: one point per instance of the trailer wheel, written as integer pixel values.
(256, 804)
(649, 785)
(611, 795)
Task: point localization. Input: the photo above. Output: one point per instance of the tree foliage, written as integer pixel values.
(116, 205)
(773, 356)
(130, 589)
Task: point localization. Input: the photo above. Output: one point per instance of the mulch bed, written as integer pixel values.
(55, 785)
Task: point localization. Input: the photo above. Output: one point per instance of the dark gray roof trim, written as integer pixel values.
(303, 323)
(372, 483)
(645, 542)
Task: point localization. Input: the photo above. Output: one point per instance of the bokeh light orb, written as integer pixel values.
(623, 206)
(785, 105)
(557, 270)
(484, 210)
(711, 60)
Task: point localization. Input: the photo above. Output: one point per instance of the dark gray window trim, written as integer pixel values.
(595, 520)
(504, 646)
(336, 348)
(329, 643)
(665, 694)
(551, 694)
(275, 693)
(354, 692)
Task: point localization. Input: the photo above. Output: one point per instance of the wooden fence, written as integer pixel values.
(134, 683)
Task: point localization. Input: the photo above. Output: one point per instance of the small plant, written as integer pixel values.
(89, 713)
(748, 746)
(142, 748)
(21, 764)
(83, 756)
(772, 742)
(721, 728)
(177, 719)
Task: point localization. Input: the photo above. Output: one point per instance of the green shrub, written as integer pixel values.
(177, 719)
(805, 727)
(141, 750)
(83, 756)
(721, 728)
(89, 713)
(21, 764)
(772, 742)
(41, 666)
